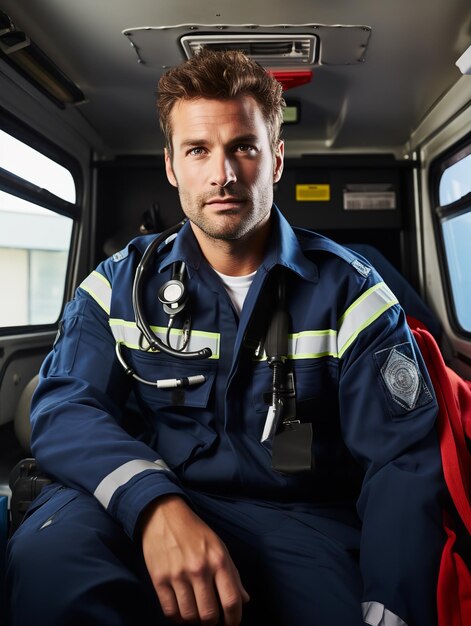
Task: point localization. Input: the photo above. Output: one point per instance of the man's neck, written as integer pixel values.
(234, 257)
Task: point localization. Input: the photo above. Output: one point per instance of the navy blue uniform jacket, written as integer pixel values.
(359, 379)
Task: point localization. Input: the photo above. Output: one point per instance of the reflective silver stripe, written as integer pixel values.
(312, 344)
(120, 476)
(128, 334)
(376, 614)
(99, 288)
(363, 312)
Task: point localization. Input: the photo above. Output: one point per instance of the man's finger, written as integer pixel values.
(207, 602)
(168, 603)
(187, 607)
(232, 596)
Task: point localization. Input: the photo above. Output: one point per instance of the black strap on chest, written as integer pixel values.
(292, 439)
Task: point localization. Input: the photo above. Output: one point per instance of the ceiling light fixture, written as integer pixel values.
(26, 58)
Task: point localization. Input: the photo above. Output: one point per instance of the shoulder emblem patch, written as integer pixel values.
(402, 380)
(401, 376)
(361, 268)
(122, 254)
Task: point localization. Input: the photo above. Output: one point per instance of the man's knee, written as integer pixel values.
(70, 563)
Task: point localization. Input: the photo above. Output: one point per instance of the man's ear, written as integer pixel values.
(169, 169)
(279, 161)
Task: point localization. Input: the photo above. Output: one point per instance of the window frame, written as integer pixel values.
(439, 165)
(21, 188)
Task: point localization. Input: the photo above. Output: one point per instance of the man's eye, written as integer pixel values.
(196, 151)
(245, 148)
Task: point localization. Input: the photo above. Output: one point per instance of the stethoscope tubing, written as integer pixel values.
(164, 383)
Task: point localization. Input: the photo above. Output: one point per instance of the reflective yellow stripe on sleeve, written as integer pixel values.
(99, 288)
(363, 312)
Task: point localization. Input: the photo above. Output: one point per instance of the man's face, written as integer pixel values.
(223, 165)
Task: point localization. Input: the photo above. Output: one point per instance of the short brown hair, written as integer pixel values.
(222, 74)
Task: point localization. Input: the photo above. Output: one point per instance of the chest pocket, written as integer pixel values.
(181, 419)
(317, 402)
(315, 384)
(153, 367)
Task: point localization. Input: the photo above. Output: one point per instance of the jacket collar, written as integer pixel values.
(284, 249)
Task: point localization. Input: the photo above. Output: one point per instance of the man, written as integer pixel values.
(213, 515)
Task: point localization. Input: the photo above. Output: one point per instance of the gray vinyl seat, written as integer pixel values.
(22, 424)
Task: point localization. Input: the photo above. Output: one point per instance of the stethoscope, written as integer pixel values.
(291, 438)
(174, 296)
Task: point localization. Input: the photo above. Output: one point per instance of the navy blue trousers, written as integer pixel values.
(71, 564)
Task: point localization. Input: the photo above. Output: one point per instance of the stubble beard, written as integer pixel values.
(228, 226)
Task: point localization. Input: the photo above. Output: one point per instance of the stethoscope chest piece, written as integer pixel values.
(173, 296)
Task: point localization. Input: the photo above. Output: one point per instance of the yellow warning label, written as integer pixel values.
(312, 193)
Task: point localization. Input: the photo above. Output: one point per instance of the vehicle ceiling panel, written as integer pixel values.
(375, 104)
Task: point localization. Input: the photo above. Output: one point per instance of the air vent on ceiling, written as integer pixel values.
(269, 50)
(276, 46)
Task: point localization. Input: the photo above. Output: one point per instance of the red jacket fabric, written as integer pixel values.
(454, 429)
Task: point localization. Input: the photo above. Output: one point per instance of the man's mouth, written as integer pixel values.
(225, 205)
(227, 200)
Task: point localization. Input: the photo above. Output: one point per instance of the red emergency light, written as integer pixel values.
(292, 78)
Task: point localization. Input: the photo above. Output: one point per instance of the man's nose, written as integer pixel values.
(223, 171)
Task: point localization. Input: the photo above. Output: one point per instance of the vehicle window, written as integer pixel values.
(35, 167)
(454, 193)
(34, 240)
(455, 181)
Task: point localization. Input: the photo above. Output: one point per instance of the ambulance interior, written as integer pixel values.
(377, 141)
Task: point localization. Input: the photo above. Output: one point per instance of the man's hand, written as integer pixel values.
(190, 567)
